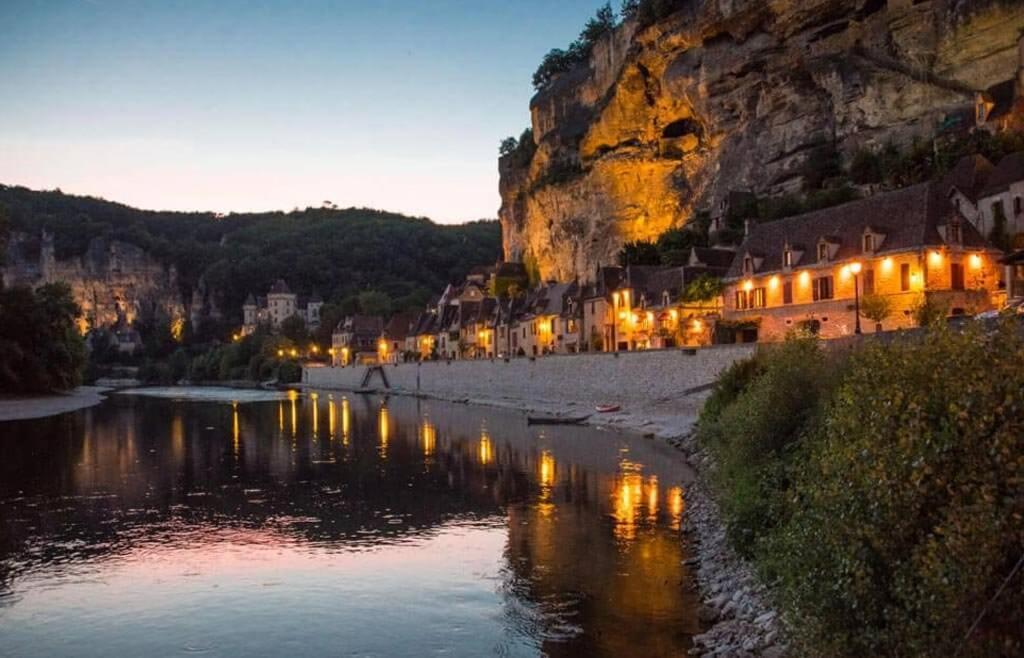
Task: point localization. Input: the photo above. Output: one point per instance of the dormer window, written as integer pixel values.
(664, 298)
(823, 252)
(748, 264)
(787, 258)
(869, 243)
(953, 232)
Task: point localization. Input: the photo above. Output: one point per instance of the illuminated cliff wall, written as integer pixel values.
(736, 95)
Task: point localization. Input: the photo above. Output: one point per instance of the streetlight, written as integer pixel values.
(855, 269)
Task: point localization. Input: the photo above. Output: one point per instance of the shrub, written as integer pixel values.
(930, 310)
(907, 511)
(753, 436)
(875, 308)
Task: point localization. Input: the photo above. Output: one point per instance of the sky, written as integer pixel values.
(225, 105)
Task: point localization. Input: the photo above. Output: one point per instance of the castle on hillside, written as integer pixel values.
(278, 305)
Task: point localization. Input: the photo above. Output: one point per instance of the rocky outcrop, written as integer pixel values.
(112, 281)
(736, 95)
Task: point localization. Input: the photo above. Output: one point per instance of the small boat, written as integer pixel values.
(556, 420)
(607, 408)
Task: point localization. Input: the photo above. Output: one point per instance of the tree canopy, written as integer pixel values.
(41, 348)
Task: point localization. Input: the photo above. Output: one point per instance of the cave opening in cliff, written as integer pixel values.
(681, 128)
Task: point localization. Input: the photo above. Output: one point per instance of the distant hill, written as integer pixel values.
(336, 252)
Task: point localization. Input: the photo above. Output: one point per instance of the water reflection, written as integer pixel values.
(241, 529)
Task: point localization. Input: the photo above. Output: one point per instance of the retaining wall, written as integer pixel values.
(630, 378)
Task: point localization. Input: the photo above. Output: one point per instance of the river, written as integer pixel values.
(330, 524)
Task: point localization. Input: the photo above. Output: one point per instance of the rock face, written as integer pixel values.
(737, 95)
(113, 281)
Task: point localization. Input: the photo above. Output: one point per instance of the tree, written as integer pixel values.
(875, 308)
(930, 311)
(294, 329)
(508, 146)
(639, 252)
(704, 288)
(374, 302)
(43, 350)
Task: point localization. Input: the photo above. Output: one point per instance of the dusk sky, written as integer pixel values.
(234, 106)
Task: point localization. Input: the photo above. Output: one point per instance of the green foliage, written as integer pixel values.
(905, 512)
(930, 310)
(338, 253)
(999, 236)
(294, 329)
(647, 12)
(374, 302)
(40, 347)
(757, 416)
(639, 252)
(532, 266)
(558, 173)
(518, 152)
(704, 288)
(875, 307)
(558, 61)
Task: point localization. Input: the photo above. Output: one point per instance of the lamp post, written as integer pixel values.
(855, 268)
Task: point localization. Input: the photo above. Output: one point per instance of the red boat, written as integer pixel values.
(607, 408)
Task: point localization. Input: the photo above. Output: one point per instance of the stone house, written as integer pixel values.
(1001, 201)
(422, 339)
(392, 344)
(802, 272)
(356, 340)
(280, 304)
(596, 307)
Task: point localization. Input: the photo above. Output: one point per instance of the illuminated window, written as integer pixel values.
(787, 292)
(869, 281)
(758, 298)
(787, 258)
(742, 300)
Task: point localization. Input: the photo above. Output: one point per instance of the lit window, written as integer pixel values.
(823, 252)
(787, 258)
(823, 288)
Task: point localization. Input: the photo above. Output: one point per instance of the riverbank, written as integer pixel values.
(736, 611)
(31, 407)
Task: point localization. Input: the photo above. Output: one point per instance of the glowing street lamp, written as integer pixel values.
(855, 269)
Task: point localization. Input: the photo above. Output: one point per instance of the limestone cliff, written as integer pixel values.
(736, 95)
(112, 281)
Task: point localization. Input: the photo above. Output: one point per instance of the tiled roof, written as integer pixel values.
(1009, 170)
(280, 288)
(364, 324)
(399, 326)
(969, 175)
(712, 258)
(250, 300)
(908, 218)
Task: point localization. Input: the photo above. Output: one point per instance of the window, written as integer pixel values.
(748, 265)
(869, 281)
(869, 243)
(665, 298)
(822, 288)
(956, 276)
(758, 298)
(823, 252)
(905, 277)
(787, 292)
(1016, 205)
(953, 232)
(787, 258)
(593, 308)
(742, 300)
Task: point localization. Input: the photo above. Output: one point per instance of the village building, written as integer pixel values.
(1000, 204)
(356, 340)
(422, 339)
(391, 347)
(811, 271)
(280, 304)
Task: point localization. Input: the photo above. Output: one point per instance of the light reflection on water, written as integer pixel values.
(333, 524)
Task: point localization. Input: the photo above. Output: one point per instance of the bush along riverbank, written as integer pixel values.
(878, 491)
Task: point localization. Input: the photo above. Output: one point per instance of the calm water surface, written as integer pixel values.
(336, 525)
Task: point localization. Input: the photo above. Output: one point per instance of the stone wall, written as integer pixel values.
(632, 379)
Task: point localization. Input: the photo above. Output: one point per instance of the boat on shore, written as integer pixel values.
(556, 420)
(607, 408)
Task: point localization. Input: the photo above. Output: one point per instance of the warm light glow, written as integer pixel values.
(428, 438)
(295, 417)
(773, 282)
(547, 469)
(294, 352)
(635, 318)
(675, 314)
(976, 261)
(652, 496)
(384, 427)
(748, 285)
(314, 349)
(346, 420)
(650, 316)
(622, 315)
(332, 417)
(805, 278)
(856, 267)
(486, 449)
(698, 325)
(676, 505)
(887, 265)
(235, 428)
(280, 352)
(178, 329)
(935, 258)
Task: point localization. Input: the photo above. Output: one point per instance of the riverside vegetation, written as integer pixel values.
(880, 490)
